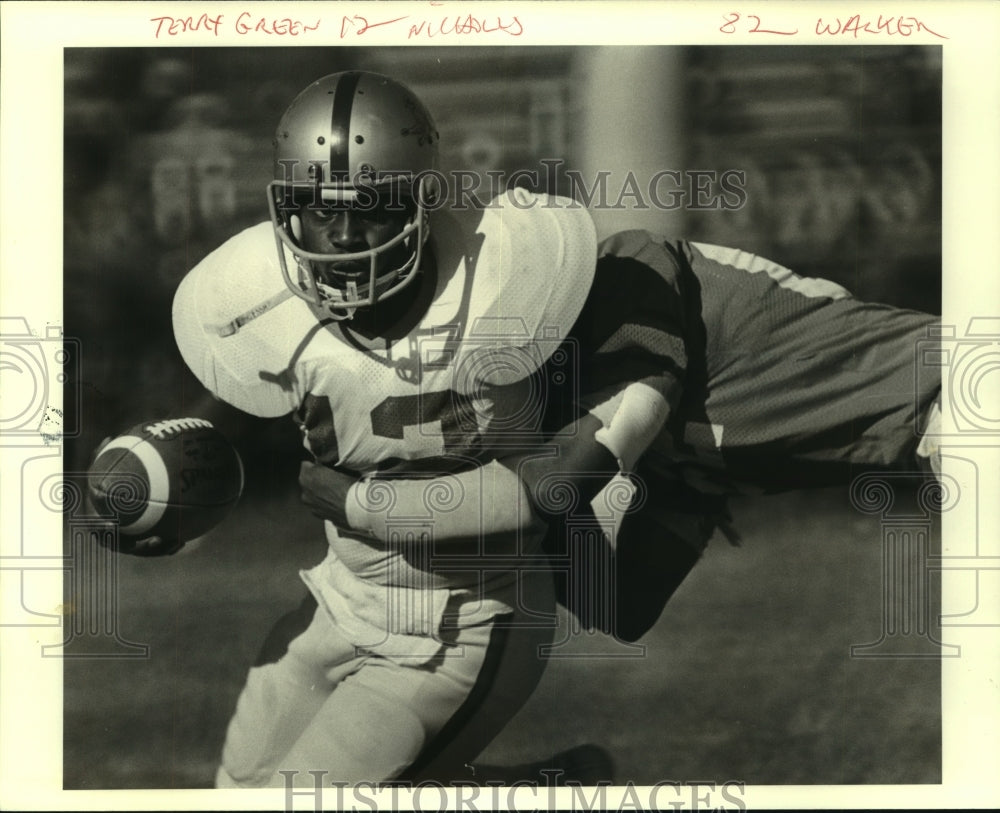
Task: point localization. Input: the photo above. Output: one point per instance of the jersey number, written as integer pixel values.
(446, 420)
(447, 416)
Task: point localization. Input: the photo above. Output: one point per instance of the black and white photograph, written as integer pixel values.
(430, 406)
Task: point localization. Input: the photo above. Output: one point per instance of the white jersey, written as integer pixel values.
(509, 282)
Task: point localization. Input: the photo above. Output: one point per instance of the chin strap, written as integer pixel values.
(339, 314)
(336, 311)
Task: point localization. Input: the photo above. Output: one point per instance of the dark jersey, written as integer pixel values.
(774, 381)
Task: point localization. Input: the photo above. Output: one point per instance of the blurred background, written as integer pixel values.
(167, 154)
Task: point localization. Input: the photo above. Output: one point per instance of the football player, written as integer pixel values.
(745, 378)
(403, 338)
(407, 340)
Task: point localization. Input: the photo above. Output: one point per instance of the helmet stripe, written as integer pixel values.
(340, 124)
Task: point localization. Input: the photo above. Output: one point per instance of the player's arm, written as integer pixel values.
(633, 359)
(514, 495)
(518, 494)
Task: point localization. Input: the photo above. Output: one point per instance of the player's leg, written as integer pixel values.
(367, 729)
(387, 718)
(285, 630)
(512, 666)
(283, 693)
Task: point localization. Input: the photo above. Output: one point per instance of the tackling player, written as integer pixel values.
(713, 372)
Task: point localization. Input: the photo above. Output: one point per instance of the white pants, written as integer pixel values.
(327, 706)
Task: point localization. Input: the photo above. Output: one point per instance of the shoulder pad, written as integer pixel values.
(518, 281)
(252, 366)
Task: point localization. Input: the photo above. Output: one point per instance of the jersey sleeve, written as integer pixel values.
(631, 341)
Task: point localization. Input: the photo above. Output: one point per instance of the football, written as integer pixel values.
(172, 479)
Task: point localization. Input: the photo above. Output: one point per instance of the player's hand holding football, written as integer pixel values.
(324, 491)
(166, 481)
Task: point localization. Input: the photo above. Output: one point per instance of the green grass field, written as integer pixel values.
(747, 677)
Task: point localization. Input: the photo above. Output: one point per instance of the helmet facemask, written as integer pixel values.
(341, 282)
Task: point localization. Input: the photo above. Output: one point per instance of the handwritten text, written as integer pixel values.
(855, 26)
(729, 26)
(469, 24)
(283, 26)
(461, 25)
(245, 23)
(182, 25)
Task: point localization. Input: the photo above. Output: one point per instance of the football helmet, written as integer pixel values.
(353, 140)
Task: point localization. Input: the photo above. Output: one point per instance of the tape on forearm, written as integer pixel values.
(639, 418)
(490, 499)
